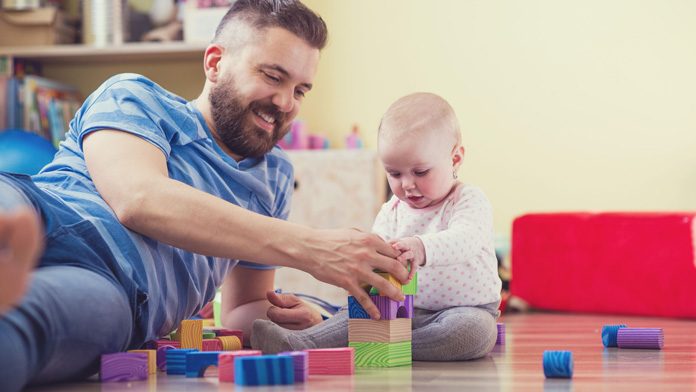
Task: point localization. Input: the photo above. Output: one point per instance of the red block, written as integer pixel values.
(335, 361)
(625, 263)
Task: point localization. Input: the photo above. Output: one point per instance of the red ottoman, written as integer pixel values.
(625, 263)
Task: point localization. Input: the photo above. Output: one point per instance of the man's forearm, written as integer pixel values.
(177, 214)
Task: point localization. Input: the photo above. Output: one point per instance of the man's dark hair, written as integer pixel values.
(290, 15)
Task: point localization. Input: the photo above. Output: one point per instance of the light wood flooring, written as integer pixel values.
(515, 366)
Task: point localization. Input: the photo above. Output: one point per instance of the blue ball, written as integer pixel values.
(24, 152)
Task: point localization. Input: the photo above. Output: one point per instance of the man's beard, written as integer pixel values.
(232, 123)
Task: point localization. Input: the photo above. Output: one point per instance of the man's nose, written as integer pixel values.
(284, 100)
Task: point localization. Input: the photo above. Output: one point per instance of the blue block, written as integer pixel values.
(198, 361)
(264, 370)
(609, 333)
(176, 360)
(355, 310)
(558, 364)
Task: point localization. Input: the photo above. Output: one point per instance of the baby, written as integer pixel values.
(443, 228)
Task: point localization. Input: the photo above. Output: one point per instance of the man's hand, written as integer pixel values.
(290, 312)
(347, 258)
(411, 251)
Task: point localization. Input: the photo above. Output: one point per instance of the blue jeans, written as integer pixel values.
(68, 318)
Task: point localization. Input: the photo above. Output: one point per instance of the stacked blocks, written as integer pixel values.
(264, 370)
(385, 342)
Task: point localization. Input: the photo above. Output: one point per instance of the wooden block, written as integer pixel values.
(191, 332)
(219, 331)
(226, 363)
(230, 343)
(212, 345)
(380, 331)
(369, 354)
(331, 360)
(300, 362)
(391, 279)
(123, 367)
(198, 361)
(388, 308)
(151, 359)
(412, 287)
(264, 370)
(176, 360)
(355, 310)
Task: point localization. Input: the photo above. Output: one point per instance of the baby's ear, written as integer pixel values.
(457, 156)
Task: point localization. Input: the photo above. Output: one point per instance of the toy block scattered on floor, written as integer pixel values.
(331, 360)
(198, 361)
(162, 357)
(124, 367)
(300, 361)
(226, 363)
(373, 354)
(191, 333)
(379, 331)
(388, 308)
(500, 337)
(558, 364)
(212, 345)
(230, 343)
(176, 360)
(151, 359)
(219, 331)
(264, 370)
(208, 335)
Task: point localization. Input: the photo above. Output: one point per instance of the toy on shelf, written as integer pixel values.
(353, 140)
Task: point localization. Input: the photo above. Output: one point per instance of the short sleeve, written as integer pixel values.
(125, 104)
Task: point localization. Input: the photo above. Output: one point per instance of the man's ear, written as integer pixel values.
(457, 156)
(211, 62)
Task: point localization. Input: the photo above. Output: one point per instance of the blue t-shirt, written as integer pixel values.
(166, 284)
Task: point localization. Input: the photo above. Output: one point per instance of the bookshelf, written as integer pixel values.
(137, 51)
(177, 66)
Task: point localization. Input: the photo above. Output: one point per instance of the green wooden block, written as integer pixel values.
(208, 335)
(370, 354)
(409, 289)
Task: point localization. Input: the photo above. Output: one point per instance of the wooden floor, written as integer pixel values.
(515, 366)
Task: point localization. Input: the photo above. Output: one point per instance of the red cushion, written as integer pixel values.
(628, 263)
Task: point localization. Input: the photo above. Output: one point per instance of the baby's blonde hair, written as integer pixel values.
(419, 113)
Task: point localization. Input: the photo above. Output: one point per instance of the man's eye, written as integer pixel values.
(299, 94)
(273, 78)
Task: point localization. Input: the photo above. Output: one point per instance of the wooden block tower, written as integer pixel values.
(385, 342)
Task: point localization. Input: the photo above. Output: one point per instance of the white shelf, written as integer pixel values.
(137, 51)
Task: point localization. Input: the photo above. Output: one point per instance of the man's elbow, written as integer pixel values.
(130, 210)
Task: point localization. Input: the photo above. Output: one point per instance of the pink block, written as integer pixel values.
(212, 345)
(226, 363)
(334, 361)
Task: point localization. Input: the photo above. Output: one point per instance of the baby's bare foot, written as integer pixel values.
(21, 244)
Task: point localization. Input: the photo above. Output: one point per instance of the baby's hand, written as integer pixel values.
(412, 252)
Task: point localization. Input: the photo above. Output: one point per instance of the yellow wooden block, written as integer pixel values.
(151, 359)
(230, 343)
(380, 331)
(391, 279)
(191, 332)
(208, 322)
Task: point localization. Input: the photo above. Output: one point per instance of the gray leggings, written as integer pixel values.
(452, 334)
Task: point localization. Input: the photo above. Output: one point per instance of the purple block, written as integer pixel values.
(300, 362)
(501, 334)
(390, 309)
(162, 357)
(650, 338)
(123, 367)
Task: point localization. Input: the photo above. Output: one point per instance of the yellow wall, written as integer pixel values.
(585, 105)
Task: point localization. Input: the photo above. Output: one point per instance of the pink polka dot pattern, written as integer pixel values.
(461, 268)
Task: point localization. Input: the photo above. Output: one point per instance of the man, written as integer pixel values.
(152, 200)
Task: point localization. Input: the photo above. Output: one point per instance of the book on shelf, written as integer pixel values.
(38, 105)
